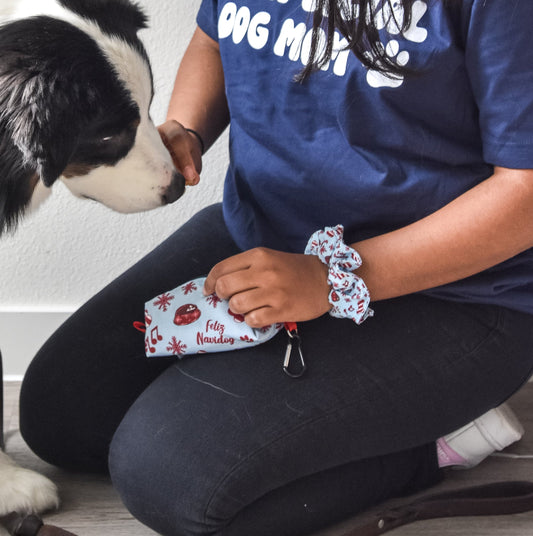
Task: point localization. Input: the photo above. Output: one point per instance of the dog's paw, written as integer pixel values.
(24, 491)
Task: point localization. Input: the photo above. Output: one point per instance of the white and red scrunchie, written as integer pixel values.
(349, 295)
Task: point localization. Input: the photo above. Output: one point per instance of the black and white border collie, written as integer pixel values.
(75, 92)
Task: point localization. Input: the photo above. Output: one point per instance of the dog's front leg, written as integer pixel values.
(24, 491)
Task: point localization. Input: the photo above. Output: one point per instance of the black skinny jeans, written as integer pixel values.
(227, 444)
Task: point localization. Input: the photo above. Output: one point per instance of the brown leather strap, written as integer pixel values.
(19, 525)
(499, 498)
(30, 525)
(50, 530)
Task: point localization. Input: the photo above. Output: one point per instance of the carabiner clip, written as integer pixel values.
(294, 346)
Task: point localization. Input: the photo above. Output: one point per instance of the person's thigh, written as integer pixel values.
(87, 375)
(215, 435)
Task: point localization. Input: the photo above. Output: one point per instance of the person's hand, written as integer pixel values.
(185, 150)
(268, 286)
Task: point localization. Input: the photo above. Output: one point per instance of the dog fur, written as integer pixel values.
(75, 92)
(22, 490)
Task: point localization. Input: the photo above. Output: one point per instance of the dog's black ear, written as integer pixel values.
(17, 182)
(38, 113)
(52, 147)
(44, 130)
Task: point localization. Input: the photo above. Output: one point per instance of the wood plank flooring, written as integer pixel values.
(90, 506)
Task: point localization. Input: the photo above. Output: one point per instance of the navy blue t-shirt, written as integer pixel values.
(374, 153)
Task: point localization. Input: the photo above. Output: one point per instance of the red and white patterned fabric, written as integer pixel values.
(349, 295)
(183, 322)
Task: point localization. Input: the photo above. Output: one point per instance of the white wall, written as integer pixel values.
(66, 251)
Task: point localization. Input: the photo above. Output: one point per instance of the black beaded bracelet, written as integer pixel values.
(202, 144)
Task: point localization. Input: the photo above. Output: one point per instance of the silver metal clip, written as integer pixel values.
(294, 347)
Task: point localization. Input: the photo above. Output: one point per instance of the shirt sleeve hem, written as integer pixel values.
(509, 156)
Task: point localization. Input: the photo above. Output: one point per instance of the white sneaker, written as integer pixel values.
(471, 444)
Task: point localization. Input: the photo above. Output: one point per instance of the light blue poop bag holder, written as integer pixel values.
(185, 322)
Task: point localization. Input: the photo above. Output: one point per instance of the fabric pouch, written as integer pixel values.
(184, 322)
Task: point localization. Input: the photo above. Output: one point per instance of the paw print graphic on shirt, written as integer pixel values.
(389, 18)
(376, 79)
(415, 33)
(391, 15)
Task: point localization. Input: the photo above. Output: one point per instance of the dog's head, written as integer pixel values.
(74, 105)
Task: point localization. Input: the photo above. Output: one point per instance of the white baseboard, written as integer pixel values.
(21, 335)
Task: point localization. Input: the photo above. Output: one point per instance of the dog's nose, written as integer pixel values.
(175, 189)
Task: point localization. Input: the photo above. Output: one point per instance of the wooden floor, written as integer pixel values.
(90, 506)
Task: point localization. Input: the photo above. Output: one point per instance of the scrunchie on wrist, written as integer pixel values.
(349, 296)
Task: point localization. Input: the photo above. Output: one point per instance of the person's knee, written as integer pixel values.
(39, 416)
(159, 485)
(52, 416)
(181, 460)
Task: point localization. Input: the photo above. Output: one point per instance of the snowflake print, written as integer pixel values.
(176, 347)
(163, 301)
(189, 287)
(213, 300)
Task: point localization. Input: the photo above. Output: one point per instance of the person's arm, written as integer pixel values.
(198, 102)
(485, 226)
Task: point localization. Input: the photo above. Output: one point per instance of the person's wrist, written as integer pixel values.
(193, 133)
(348, 294)
(198, 137)
(322, 287)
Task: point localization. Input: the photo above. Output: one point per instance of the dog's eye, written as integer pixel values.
(106, 138)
